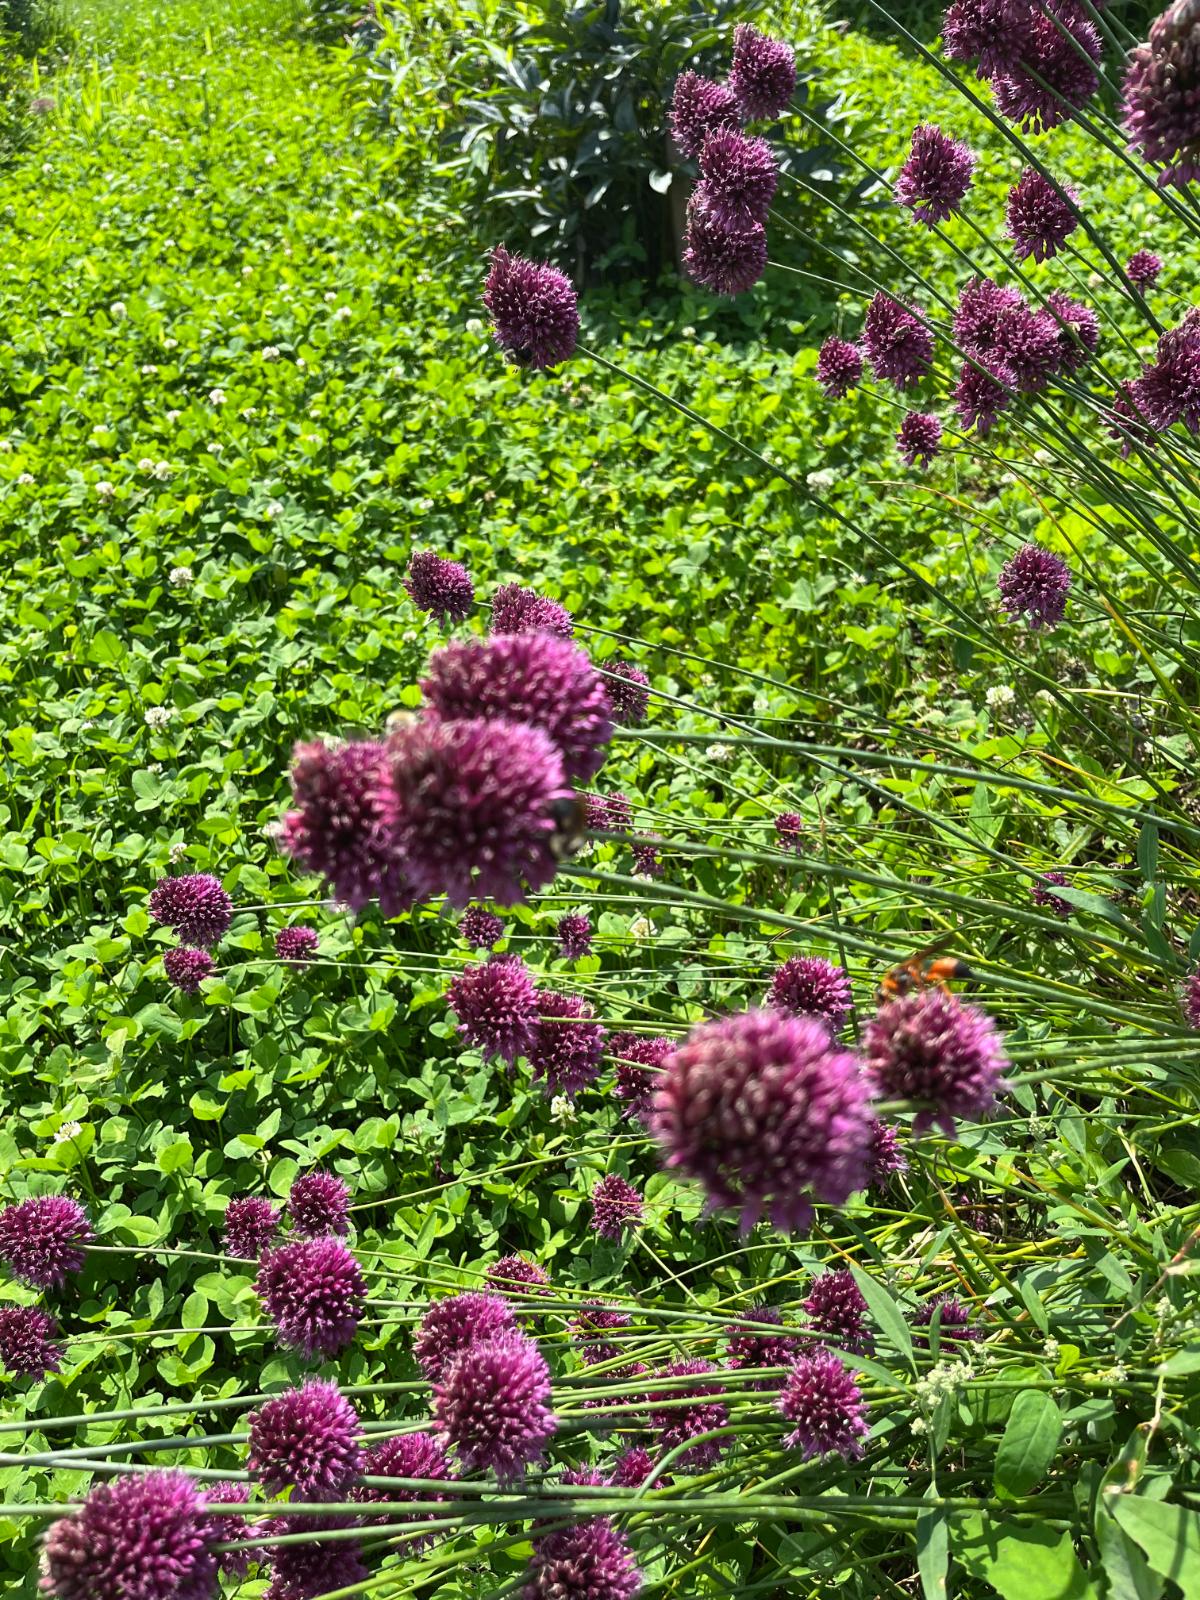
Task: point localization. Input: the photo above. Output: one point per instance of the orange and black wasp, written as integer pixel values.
(926, 969)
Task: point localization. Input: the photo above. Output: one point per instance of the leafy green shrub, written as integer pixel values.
(32, 26)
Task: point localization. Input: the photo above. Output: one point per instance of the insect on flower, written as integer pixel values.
(923, 970)
(570, 818)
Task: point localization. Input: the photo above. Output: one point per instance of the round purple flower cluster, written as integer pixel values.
(407, 1455)
(1015, 347)
(954, 1322)
(315, 1567)
(738, 178)
(534, 310)
(810, 986)
(616, 1205)
(763, 74)
(1190, 999)
(194, 906)
(516, 1275)
(517, 610)
(296, 946)
(930, 1048)
(531, 678)
(885, 1158)
(628, 690)
(1040, 216)
(728, 260)
(307, 1440)
(1043, 895)
(319, 1203)
(314, 1292)
(42, 1239)
(767, 1113)
(639, 1058)
(250, 1225)
(187, 969)
(441, 587)
(481, 928)
(590, 1561)
(825, 1404)
(1041, 59)
(839, 369)
(567, 1044)
(455, 1324)
(610, 813)
(750, 1345)
(496, 1006)
(1034, 584)
(836, 1308)
(137, 1538)
(934, 180)
(698, 107)
(1142, 269)
(492, 1403)
(647, 863)
(898, 345)
(27, 1342)
(919, 438)
(589, 1330)
(1168, 390)
(677, 1424)
(631, 1468)
(227, 1527)
(574, 935)
(1162, 95)
(789, 830)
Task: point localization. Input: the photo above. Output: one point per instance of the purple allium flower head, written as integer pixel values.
(677, 1424)
(317, 1566)
(516, 1275)
(646, 859)
(836, 1308)
(752, 1346)
(885, 1156)
(136, 1538)
(632, 1468)
(639, 1059)
(441, 587)
(1077, 330)
(955, 1322)
(698, 106)
(1039, 220)
(480, 928)
(1162, 95)
(226, 1527)
(809, 986)
(590, 1561)
(319, 1203)
(517, 610)
(407, 1455)
(619, 812)
(839, 367)
(993, 30)
(726, 258)
(1168, 390)
(454, 1324)
(532, 678)
(789, 830)
(27, 1347)
(314, 1292)
(496, 1006)
(763, 74)
(931, 1048)
(588, 1477)
(534, 310)
(589, 1330)
(1129, 422)
(1190, 999)
(492, 1403)
(250, 1224)
(1034, 584)
(338, 830)
(978, 399)
(574, 935)
(1028, 353)
(1143, 267)
(297, 946)
(936, 176)
(187, 969)
(42, 1239)
(474, 807)
(919, 438)
(1056, 74)
(982, 308)
(195, 906)
(616, 1205)
(739, 176)
(823, 1401)
(628, 692)
(767, 1113)
(898, 346)
(1042, 895)
(306, 1439)
(567, 1043)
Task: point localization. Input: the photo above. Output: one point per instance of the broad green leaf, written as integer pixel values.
(1029, 1443)
(886, 1313)
(933, 1552)
(1020, 1561)
(1170, 1536)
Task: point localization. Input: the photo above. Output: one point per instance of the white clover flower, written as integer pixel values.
(173, 416)
(720, 754)
(180, 577)
(642, 927)
(272, 509)
(162, 470)
(105, 489)
(270, 352)
(687, 333)
(26, 479)
(1000, 695)
(149, 370)
(315, 438)
(330, 296)
(395, 374)
(157, 716)
(300, 362)
(216, 397)
(269, 159)
(823, 478)
(475, 325)
(247, 270)
(5, 446)
(170, 344)
(343, 314)
(117, 310)
(67, 1132)
(145, 464)
(179, 850)
(216, 448)
(561, 1109)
